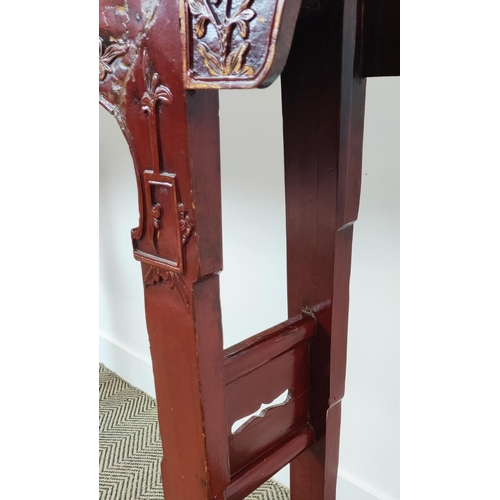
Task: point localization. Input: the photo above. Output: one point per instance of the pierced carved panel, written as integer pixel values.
(236, 43)
(242, 423)
(226, 54)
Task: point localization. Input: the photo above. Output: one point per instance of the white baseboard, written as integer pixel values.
(351, 488)
(127, 364)
(346, 490)
(350, 491)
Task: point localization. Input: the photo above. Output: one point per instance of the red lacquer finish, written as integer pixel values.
(275, 459)
(254, 352)
(160, 65)
(323, 108)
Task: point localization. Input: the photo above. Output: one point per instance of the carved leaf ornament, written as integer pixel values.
(108, 55)
(221, 63)
(155, 91)
(185, 222)
(172, 280)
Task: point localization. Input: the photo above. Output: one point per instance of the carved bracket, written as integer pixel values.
(168, 225)
(236, 43)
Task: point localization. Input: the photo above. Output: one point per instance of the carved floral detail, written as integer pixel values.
(171, 279)
(186, 223)
(223, 62)
(155, 91)
(156, 212)
(108, 55)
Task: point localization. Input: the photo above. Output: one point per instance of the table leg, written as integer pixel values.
(323, 111)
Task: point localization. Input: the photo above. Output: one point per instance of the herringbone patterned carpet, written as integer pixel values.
(130, 446)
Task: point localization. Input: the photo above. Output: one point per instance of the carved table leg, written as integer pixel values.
(173, 135)
(323, 110)
(182, 300)
(182, 297)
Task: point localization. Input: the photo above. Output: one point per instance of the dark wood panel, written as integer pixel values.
(380, 40)
(323, 106)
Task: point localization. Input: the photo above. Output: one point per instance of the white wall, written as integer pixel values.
(255, 268)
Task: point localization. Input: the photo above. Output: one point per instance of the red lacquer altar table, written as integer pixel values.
(161, 64)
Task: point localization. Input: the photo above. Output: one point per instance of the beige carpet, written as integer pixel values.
(130, 445)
